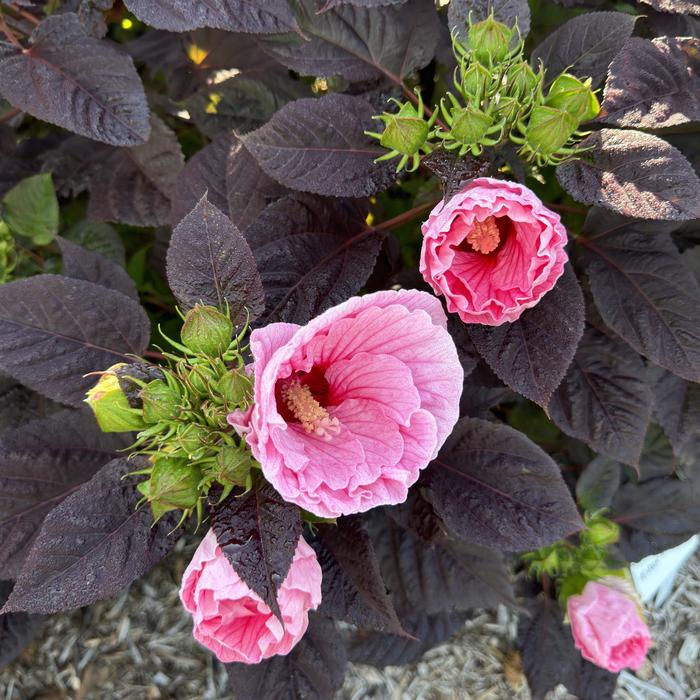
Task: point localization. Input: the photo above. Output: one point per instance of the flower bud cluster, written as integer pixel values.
(8, 255)
(497, 98)
(179, 413)
(573, 565)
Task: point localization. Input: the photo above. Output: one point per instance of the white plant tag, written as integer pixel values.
(654, 575)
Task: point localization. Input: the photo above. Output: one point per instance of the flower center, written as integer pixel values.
(313, 417)
(484, 236)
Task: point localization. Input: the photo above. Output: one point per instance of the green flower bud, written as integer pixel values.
(521, 80)
(160, 402)
(202, 379)
(110, 405)
(233, 466)
(548, 129)
(601, 532)
(405, 132)
(508, 109)
(191, 439)
(235, 388)
(575, 97)
(489, 40)
(173, 485)
(206, 331)
(470, 125)
(133, 376)
(475, 81)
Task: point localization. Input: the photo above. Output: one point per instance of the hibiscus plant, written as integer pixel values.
(391, 306)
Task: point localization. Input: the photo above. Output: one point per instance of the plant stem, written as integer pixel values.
(8, 32)
(10, 114)
(155, 355)
(409, 215)
(567, 208)
(26, 15)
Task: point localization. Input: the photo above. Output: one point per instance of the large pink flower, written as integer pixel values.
(493, 250)
(349, 408)
(607, 626)
(232, 620)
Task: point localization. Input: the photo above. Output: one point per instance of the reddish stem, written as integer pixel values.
(10, 114)
(26, 15)
(153, 354)
(12, 37)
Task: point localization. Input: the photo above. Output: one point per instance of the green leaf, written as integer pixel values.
(31, 209)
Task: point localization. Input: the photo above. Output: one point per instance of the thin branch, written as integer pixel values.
(10, 114)
(566, 208)
(153, 354)
(11, 36)
(26, 15)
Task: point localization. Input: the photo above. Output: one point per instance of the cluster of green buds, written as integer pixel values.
(8, 255)
(179, 412)
(406, 133)
(572, 565)
(497, 98)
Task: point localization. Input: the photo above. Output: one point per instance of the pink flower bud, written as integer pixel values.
(232, 620)
(607, 626)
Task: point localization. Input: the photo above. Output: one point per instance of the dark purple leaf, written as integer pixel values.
(531, 355)
(550, 657)
(99, 238)
(252, 16)
(598, 483)
(677, 409)
(378, 649)
(134, 185)
(41, 463)
(656, 515)
(454, 171)
(665, 24)
(447, 575)
(232, 180)
(680, 6)
(417, 515)
(258, 532)
(657, 458)
(653, 84)
(313, 670)
(604, 399)
(16, 629)
(319, 145)
(510, 12)
(491, 485)
(54, 330)
(92, 545)
(643, 290)
(353, 589)
(585, 45)
(82, 264)
(634, 174)
(361, 43)
(324, 5)
(78, 82)
(19, 405)
(313, 253)
(209, 261)
(242, 103)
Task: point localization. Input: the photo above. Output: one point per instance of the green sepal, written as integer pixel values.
(570, 94)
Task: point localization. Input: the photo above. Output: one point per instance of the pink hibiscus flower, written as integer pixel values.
(232, 620)
(493, 250)
(607, 626)
(349, 408)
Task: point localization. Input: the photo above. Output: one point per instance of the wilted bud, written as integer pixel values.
(160, 402)
(206, 330)
(190, 438)
(110, 405)
(574, 96)
(173, 485)
(235, 388)
(549, 129)
(490, 40)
